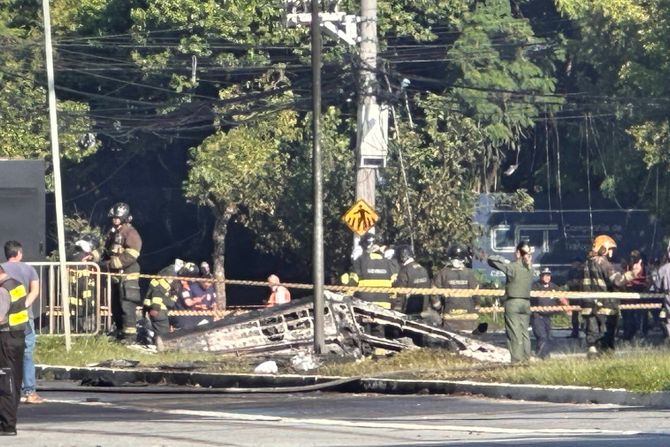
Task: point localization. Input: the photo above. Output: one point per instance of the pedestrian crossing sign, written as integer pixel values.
(360, 217)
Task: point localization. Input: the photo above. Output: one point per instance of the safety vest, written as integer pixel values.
(17, 317)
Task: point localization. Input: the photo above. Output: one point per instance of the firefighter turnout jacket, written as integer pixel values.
(122, 248)
(17, 316)
(163, 293)
(601, 276)
(411, 275)
(372, 269)
(451, 277)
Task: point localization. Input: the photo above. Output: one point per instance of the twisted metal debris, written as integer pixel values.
(290, 327)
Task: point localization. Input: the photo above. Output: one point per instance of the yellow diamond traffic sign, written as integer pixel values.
(360, 217)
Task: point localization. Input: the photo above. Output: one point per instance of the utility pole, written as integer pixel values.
(317, 179)
(367, 137)
(55, 156)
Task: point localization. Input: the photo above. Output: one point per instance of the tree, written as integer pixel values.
(239, 167)
(24, 123)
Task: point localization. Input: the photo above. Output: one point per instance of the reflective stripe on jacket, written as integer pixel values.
(17, 317)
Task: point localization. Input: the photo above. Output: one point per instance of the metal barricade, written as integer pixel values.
(89, 294)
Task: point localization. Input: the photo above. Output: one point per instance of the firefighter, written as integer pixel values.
(162, 296)
(519, 278)
(83, 283)
(14, 320)
(122, 248)
(457, 314)
(601, 315)
(413, 275)
(372, 269)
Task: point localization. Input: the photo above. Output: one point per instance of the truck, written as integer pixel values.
(558, 237)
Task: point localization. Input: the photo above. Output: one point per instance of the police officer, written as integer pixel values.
(122, 248)
(457, 314)
(13, 322)
(601, 315)
(540, 321)
(519, 278)
(411, 275)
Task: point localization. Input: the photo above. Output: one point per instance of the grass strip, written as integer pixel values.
(640, 369)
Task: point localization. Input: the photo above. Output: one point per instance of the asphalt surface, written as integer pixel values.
(131, 417)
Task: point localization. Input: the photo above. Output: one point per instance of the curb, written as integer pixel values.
(231, 383)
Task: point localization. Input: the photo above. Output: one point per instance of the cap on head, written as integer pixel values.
(602, 243)
(545, 271)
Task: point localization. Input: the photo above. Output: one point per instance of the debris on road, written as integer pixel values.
(289, 328)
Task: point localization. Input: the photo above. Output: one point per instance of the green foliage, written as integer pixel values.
(24, 120)
(497, 83)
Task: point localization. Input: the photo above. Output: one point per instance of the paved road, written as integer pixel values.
(72, 418)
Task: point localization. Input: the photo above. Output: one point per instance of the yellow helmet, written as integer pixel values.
(602, 243)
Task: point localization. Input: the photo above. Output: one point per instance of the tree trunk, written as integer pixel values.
(218, 255)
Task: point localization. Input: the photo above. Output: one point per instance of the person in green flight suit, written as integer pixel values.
(519, 277)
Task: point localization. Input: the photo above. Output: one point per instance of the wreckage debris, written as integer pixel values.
(289, 328)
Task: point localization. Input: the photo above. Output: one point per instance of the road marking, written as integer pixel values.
(241, 417)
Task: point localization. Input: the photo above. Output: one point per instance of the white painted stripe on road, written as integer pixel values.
(356, 424)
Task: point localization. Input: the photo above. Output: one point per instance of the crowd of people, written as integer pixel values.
(374, 265)
(600, 319)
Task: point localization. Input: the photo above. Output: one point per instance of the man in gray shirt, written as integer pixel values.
(26, 275)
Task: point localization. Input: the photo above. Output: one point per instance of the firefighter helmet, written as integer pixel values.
(88, 240)
(458, 252)
(120, 210)
(403, 253)
(602, 243)
(205, 270)
(367, 240)
(190, 270)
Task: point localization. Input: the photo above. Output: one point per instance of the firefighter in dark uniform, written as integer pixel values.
(122, 248)
(162, 297)
(13, 322)
(372, 269)
(411, 275)
(519, 277)
(540, 321)
(456, 314)
(82, 282)
(601, 315)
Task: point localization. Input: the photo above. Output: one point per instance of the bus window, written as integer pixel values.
(537, 236)
(502, 239)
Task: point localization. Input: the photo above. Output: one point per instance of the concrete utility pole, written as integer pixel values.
(368, 109)
(55, 155)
